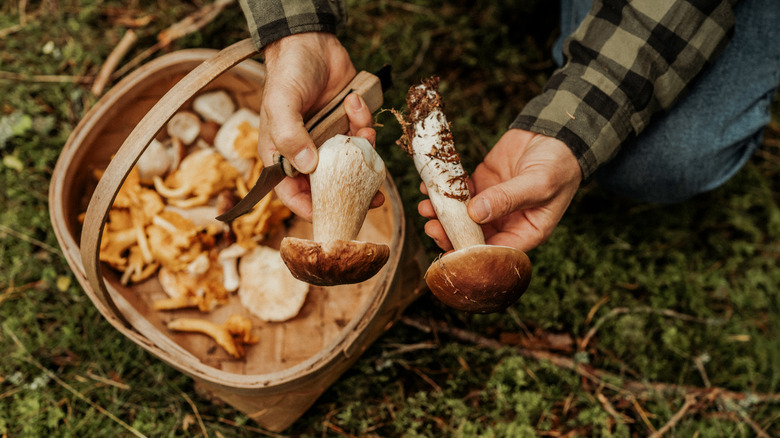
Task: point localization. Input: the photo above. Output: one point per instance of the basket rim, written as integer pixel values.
(343, 343)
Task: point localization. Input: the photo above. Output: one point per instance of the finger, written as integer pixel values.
(286, 131)
(295, 193)
(423, 189)
(425, 209)
(369, 134)
(522, 192)
(524, 237)
(435, 231)
(358, 113)
(378, 200)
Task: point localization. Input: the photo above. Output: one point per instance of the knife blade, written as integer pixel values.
(327, 122)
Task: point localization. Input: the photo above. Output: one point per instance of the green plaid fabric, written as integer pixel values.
(626, 62)
(270, 20)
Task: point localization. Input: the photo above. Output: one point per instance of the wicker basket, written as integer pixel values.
(295, 361)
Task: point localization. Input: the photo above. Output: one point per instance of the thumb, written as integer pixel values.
(505, 198)
(287, 134)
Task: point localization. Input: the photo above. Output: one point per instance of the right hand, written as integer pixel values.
(521, 191)
(303, 73)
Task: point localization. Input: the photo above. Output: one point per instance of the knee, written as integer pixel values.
(657, 174)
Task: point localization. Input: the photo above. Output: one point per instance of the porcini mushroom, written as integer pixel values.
(347, 177)
(475, 277)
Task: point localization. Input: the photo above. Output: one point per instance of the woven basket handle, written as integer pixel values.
(135, 145)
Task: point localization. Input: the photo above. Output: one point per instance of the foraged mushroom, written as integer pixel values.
(232, 335)
(159, 159)
(201, 175)
(237, 138)
(347, 177)
(228, 258)
(215, 106)
(185, 126)
(475, 277)
(267, 288)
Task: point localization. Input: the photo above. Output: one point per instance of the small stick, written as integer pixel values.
(197, 414)
(690, 400)
(633, 387)
(643, 414)
(623, 310)
(125, 44)
(189, 24)
(59, 79)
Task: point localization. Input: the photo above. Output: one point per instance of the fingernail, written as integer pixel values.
(355, 101)
(480, 210)
(305, 160)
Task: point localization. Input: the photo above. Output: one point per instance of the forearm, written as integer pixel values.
(623, 65)
(271, 20)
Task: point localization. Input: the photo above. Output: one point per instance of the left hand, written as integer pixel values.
(521, 191)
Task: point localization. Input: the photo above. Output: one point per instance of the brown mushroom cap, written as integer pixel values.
(334, 262)
(480, 278)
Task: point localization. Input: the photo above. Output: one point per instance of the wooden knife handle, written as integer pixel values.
(332, 119)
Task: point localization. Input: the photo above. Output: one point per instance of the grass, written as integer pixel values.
(639, 316)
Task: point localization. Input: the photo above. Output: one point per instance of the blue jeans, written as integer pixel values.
(713, 129)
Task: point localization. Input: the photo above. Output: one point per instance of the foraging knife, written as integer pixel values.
(329, 121)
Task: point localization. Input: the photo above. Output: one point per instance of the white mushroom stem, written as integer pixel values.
(431, 146)
(228, 258)
(476, 277)
(347, 177)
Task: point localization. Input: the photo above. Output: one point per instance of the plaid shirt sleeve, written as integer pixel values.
(270, 20)
(627, 61)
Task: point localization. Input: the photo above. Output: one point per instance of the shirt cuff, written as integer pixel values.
(591, 123)
(269, 21)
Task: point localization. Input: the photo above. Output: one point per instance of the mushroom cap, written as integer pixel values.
(480, 278)
(334, 262)
(266, 288)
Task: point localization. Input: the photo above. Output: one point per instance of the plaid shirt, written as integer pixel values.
(270, 20)
(627, 61)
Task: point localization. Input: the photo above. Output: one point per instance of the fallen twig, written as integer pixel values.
(690, 400)
(643, 414)
(125, 44)
(10, 30)
(59, 79)
(624, 310)
(197, 414)
(31, 240)
(756, 428)
(639, 389)
(189, 24)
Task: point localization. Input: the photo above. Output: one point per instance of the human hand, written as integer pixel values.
(304, 72)
(521, 191)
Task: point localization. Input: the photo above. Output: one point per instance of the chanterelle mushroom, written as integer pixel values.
(232, 335)
(475, 277)
(347, 177)
(201, 175)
